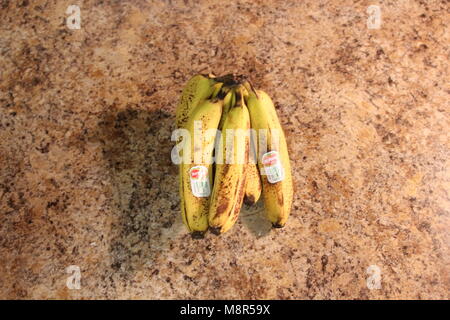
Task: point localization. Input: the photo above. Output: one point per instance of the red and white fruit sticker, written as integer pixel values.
(200, 181)
(272, 166)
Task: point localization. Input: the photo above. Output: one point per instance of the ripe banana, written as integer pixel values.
(196, 167)
(230, 176)
(274, 162)
(216, 89)
(197, 89)
(253, 185)
(227, 100)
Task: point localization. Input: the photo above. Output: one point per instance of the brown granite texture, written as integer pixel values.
(86, 177)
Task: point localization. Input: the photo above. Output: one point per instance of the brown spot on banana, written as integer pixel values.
(221, 209)
(280, 197)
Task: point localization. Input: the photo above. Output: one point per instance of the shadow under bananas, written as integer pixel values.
(145, 205)
(254, 220)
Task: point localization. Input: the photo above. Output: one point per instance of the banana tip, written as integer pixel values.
(277, 225)
(215, 230)
(249, 200)
(198, 235)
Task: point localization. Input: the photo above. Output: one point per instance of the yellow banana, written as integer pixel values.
(196, 167)
(274, 165)
(229, 100)
(197, 89)
(216, 89)
(226, 107)
(253, 185)
(233, 98)
(229, 180)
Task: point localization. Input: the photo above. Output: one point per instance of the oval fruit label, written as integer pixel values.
(200, 181)
(272, 166)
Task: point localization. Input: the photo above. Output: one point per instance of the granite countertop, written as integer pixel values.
(86, 179)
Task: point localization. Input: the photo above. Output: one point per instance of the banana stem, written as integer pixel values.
(228, 79)
(231, 79)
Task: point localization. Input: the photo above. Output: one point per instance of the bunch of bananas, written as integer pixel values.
(236, 151)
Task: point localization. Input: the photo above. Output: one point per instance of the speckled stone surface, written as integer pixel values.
(86, 178)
